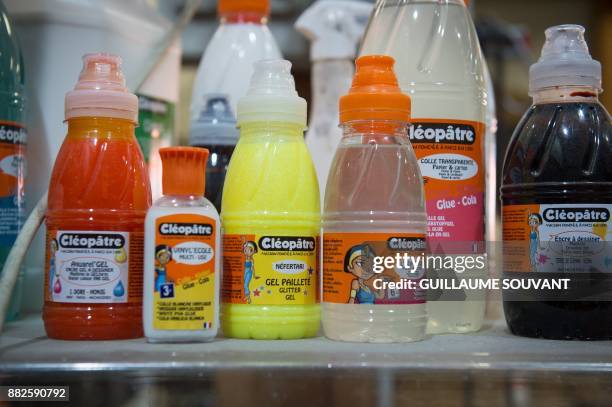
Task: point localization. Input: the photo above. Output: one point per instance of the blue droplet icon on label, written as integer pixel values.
(119, 290)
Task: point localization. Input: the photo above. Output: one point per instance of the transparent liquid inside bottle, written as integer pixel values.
(374, 186)
(440, 65)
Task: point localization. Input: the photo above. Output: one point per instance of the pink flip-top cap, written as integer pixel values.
(101, 90)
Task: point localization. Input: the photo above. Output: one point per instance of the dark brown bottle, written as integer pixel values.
(557, 199)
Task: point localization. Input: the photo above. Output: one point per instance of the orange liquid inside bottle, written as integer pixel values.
(98, 198)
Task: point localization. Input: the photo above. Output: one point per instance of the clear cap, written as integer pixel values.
(565, 61)
(101, 91)
(216, 124)
(272, 95)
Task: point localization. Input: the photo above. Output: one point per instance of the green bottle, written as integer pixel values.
(13, 138)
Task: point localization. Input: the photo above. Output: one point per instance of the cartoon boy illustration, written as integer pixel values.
(359, 261)
(249, 248)
(163, 256)
(52, 275)
(534, 220)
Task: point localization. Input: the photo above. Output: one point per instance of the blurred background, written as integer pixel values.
(511, 35)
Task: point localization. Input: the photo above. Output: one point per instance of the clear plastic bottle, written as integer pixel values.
(374, 194)
(182, 253)
(557, 197)
(12, 148)
(440, 65)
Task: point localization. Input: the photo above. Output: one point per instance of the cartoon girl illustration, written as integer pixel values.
(359, 261)
(163, 256)
(52, 274)
(534, 220)
(249, 248)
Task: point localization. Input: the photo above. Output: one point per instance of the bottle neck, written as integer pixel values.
(565, 94)
(251, 129)
(101, 127)
(375, 131)
(331, 78)
(244, 17)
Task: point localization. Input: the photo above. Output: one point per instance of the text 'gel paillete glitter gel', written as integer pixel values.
(271, 215)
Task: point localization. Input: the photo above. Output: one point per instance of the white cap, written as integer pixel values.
(565, 61)
(334, 27)
(272, 95)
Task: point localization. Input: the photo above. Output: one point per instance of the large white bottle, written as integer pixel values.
(440, 65)
(334, 28)
(242, 39)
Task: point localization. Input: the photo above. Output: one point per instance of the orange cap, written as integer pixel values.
(375, 94)
(184, 170)
(259, 7)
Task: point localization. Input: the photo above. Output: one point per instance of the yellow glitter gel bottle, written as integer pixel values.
(271, 216)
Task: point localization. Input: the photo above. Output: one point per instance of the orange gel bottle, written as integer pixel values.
(98, 198)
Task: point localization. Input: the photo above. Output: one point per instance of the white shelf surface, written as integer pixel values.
(24, 348)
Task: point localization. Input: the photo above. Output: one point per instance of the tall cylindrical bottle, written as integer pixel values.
(98, 198)
(13, 138)
(271, 216)
(440, 65)
(242, 39)
(374, 207)
(557, 197)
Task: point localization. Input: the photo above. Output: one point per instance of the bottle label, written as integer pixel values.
(93, 266)
(558, 238)
(184, 284)
(270, 269)
(354, 270)
(451, 159)
(13, 138)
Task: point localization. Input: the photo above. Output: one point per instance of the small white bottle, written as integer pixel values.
(182, 253)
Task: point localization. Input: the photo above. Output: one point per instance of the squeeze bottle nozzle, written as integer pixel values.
(272, 95)
(216, 124)
(183, 170)
(334, 28)
(375, 93)
(565, 61)
(101, 90)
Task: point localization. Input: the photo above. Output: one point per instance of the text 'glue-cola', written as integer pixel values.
(271, 215)
(374, 207)
(440, 65)
(222, 79)
(98, 198)
(182, 253)
(13, 138)
(334, 28)
(557, 197)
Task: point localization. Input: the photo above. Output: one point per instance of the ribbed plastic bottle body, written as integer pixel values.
(270, 190)
(179, 205)
(439, 63)
(560, 156)
(374, 186)
(99, 184)
(227, 64)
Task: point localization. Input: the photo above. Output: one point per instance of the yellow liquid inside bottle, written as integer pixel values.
(271, 189)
